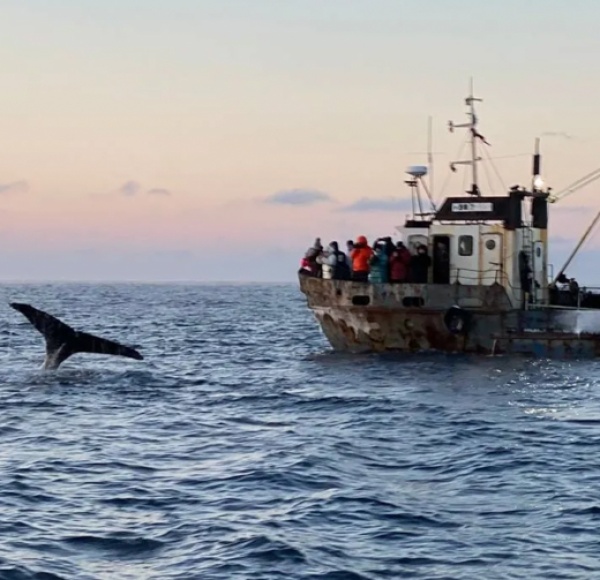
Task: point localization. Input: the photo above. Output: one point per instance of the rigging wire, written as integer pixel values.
(450, 172)
(511, 156)
(487, 177)
(495, 170)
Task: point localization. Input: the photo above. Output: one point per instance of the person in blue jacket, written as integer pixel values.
(379, 265)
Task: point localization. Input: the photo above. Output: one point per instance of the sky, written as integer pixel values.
(213, 140)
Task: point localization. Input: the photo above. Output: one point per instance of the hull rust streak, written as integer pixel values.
(385, 325)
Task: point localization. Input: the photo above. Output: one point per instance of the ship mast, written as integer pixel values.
(430, 155)
(471, 125)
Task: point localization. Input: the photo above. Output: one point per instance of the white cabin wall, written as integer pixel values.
(486, 265)
(492, 251)
(540, 264)
(464, 269)
(519, 245)
(511, 264)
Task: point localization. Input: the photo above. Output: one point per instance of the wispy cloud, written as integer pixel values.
(562, 240)
(130, 188)
(14, 187)
(378, 204)
(159, 191)
(298, 197)
(559, 135)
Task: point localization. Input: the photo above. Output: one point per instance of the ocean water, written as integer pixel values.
(242, 448)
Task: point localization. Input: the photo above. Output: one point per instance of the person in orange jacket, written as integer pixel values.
(361, 254)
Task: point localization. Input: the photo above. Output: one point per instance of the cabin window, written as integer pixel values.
(416, 240)
(490, 244)
(465, 245)
(538, 252)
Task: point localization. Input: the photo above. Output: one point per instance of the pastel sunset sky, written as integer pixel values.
(212, 140)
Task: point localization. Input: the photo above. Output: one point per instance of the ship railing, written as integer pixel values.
(550, 273)
(586, 297)
(496, 274)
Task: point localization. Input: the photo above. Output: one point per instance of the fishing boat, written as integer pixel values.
(489, 288)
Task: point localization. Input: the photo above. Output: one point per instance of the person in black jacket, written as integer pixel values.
(419, 266)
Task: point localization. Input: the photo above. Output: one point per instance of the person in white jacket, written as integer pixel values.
(334, 263)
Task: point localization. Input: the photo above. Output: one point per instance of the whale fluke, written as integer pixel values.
(62, 341)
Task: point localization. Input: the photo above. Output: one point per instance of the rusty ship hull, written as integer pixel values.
(358, 317)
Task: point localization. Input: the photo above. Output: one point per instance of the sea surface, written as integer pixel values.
(242, 448)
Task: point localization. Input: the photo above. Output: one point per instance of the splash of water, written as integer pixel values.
(579, 321)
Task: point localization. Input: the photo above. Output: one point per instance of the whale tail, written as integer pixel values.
(62, 341)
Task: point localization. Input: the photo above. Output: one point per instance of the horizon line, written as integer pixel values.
(10, 282)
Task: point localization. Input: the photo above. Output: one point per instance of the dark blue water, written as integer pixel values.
(241, 448)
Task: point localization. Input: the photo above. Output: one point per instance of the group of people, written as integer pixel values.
(384, 262)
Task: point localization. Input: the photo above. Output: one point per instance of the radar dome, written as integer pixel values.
(417, 170)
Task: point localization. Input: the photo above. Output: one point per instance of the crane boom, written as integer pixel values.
(579, 244)
(575, 186)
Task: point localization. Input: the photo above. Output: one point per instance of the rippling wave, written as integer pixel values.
(242, 448)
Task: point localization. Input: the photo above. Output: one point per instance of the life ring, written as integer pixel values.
(457, 320)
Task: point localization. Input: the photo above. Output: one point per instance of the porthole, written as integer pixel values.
(490, 244)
